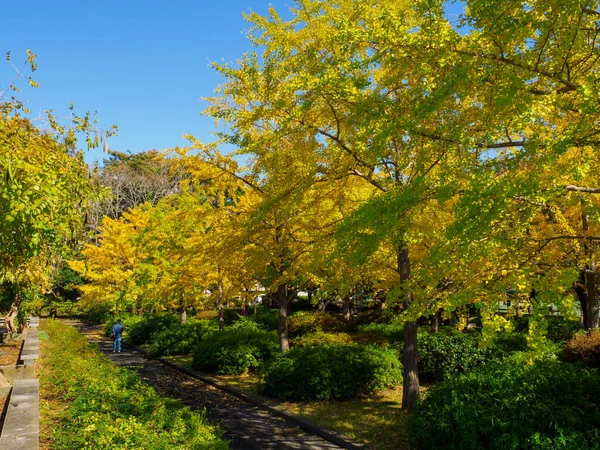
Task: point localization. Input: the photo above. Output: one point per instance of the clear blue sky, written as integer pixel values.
(142, 65)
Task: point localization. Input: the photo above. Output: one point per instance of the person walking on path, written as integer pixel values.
(117, 335)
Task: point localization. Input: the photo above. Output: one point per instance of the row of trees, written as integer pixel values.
(44, 193)
(378, 144)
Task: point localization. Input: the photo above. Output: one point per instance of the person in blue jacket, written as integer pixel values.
(117, 335)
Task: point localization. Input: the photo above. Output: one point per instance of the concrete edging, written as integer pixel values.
(307, 425)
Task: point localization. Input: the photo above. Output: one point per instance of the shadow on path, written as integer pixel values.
(245, 426)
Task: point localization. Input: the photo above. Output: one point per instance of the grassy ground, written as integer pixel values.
(88, 402)
(376, 420)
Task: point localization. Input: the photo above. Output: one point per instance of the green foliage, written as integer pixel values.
(332, 372)
(559, 328)
(181, 339)
(129, 322)
(319, 338)
(372, 316)
(235, 351)
(141, 330)
(108, 407)
(267, 318)
(308, 322)
(583, 348)
(99, 313)
(444, 354)
(392, 331)
(548, 405)
(507, 342)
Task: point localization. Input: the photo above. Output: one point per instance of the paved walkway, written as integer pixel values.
(245, 426)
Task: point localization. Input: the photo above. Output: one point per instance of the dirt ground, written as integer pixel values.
(9, 353)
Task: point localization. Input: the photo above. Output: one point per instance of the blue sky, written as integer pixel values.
(142, 65)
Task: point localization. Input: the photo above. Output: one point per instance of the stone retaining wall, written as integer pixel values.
(21, 423)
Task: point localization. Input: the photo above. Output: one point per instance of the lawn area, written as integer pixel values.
(376, 420)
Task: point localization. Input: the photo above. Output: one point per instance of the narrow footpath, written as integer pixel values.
(246, 426)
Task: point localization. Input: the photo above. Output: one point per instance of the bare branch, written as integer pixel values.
(589, 190)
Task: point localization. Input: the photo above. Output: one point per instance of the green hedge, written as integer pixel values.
(332, 372)
(448, 353)
(181, 339)
(139, 330)
(235, 350)
(103, 406)
(512, 405)
(305, 322)
(392, 331)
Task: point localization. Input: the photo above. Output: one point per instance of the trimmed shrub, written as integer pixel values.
(266, 318)
(332, 372)
(142, 331)
(207, 315)
(444, 354)
(392, 331)
(511, 405)
(182, 338)
(584, 348)
(308, 322)
(235, 351)
(106, 407)
(321, 338)
(129, 321)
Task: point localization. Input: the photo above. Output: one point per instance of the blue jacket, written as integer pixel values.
(117, 330)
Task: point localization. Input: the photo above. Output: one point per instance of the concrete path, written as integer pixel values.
(246, 426)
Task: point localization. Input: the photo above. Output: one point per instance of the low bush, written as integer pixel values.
(372, 316)
(207, 315)
(559, 329)
(141, 331)
(332, 372)
(444, 354)
(508, 342)
(235, 351)
(305, 322)
(181, 339)
(322, 338)
(87, 402)
(266, 318)
(511, 405)
(129, 321)
(392, 331)
(583, 348)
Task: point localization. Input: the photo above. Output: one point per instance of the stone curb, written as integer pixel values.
(307, 425)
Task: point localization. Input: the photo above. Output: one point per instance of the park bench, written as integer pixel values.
(21, 423)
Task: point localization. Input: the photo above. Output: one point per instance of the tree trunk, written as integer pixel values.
(12, 314)
(411, 367)
(183, 315)
(591, 308)
(346, 310)
(220, 301)
(282, 300)
(255, 303)
(435, 322)
(410, 358)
